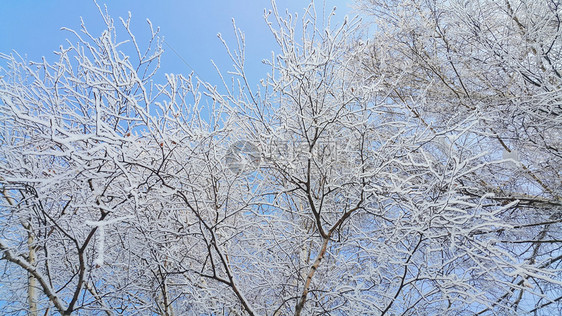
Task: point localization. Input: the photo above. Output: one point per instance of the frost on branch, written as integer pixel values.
(101, 227)
(382, 175)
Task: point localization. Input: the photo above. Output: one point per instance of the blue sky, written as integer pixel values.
(32, 28)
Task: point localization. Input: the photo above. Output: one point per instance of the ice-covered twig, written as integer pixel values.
(100, 245)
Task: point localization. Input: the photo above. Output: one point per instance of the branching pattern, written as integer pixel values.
(408, 165)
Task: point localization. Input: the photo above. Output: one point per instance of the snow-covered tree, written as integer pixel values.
(495, 64)
(402, 165)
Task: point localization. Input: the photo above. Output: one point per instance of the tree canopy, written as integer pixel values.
(403, 162)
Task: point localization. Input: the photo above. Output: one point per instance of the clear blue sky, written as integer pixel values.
(32, 28)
